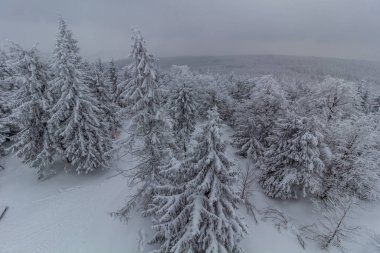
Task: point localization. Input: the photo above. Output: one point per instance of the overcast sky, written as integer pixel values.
(334, 28)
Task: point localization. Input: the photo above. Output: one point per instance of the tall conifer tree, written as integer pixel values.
(197, 210)
(80, 133)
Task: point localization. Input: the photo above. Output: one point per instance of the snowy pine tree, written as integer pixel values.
(3, 136)
(255, 118)
(101, 90)
(211, 90)
(143, 100)
(247, 137)
(295, 160)
(4, 111)
(123, 85)
(143, 76)
(241, 89)
(197, 210)
(183, 112)
(32, 143)
(80, 134)
(376, 105)
(97, 80)
(353, 170)
(7, 87)
(267, 103)
(364, 97)
(4, 129)
(112, 79)
(4, 72)
(6, 84)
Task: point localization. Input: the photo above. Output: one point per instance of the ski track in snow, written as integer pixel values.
(70, 214)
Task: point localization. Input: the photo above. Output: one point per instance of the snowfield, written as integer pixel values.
(70, 213)
(66, 213)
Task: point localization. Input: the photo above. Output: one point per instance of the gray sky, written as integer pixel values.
(334, 28)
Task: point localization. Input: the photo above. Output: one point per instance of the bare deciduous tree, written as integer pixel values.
(246, 188)
(333, 228)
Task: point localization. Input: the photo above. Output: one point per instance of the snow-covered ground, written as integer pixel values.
(70, 213)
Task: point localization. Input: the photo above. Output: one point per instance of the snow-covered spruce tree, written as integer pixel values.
(375, 105)
(148, 127)
(255, 118)
(182, 109)
(212, 90)
(222, 99)
(295, 161)
(102, 92)
(300, 95)
(3, 137)
(204, 85)
(246, 140)
(196, 212)
(4, 133)
(142, 99)
(241, 88)
(80, 134)
(29, 104)
(247, 136)
(364, 97)
(122, 87)
(353, 170)
(141, 74)
(7, 87)
(6, 71)
(172, 79)
(112, 79)
(3, 66)
(4, 111)
(267, 103)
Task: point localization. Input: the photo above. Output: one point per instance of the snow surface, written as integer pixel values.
(70, 213)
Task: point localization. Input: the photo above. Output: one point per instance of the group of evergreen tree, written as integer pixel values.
(69, 110)
(308, 139)
(317, 139)
(303, 141)
(189, 192)
(55, 113)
